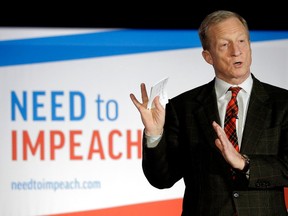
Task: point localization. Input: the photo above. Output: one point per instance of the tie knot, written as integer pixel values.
(234, 90)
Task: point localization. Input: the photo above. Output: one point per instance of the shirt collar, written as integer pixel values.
(221, 87)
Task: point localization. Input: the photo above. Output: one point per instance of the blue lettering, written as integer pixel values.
(113, 102)
(98, 102)
(55, 105)
(73, 116)
(15, 103)
(40, 109)
(37, 105)
(107, 111)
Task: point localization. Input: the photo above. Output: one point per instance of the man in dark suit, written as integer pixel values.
(188, 138)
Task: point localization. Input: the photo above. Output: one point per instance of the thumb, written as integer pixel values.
(219, 144)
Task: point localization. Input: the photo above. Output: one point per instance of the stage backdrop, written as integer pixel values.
(71, 137)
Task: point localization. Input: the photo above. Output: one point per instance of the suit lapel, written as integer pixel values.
(256, 115)
(208, 112)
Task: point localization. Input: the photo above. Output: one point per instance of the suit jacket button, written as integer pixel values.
(236, 194)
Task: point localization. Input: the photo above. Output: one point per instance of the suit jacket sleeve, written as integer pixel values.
(265, 138)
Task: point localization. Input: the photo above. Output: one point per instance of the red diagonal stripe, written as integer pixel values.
(157, 208)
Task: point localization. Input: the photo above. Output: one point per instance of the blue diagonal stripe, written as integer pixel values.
(101, 44)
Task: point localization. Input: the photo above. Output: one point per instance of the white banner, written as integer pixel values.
(70, 135)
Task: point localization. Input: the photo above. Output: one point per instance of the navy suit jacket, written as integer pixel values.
(187, 150)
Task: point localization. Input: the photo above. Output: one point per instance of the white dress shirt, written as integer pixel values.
(223, 97)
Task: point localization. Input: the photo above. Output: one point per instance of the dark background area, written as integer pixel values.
(268, 15)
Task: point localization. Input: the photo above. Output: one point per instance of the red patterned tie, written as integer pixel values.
(231, 116)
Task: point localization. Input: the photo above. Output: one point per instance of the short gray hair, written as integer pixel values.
(215, 18)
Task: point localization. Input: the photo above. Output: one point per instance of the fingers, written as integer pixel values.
(144, 98)
(134, 100)
(144, 93)
(220, 132)
(226, 148)
(217, 129)
(219, 144)
(221, 141)
(140, 106)
(157, 103)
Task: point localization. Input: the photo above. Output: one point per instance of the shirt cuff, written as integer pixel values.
(152, 141)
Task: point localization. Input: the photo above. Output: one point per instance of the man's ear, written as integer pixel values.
(206, 55)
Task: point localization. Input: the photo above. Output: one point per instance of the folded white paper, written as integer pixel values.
(160, 89)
